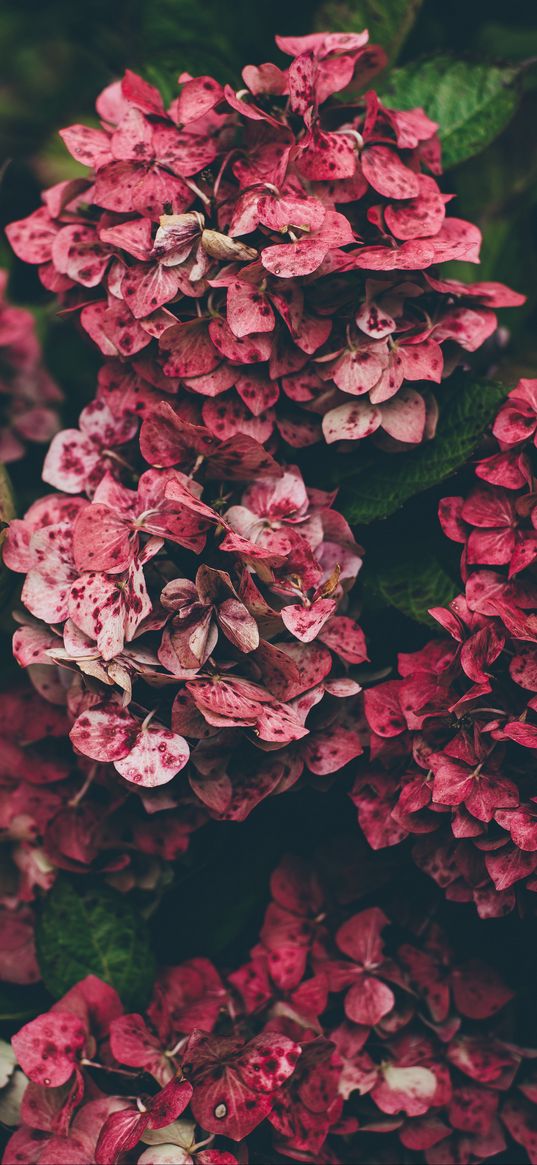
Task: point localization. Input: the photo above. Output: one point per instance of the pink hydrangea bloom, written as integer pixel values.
(452, 739)
(339, 1025)
(216, 236)
(29, 396)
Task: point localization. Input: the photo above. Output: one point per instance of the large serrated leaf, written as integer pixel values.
(413, 585)
(388, 21)
(472, 102)
(94, 931)
(388, 483)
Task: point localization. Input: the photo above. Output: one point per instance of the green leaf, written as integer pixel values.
(94, 931)
(388, 21)
(498, 191)
(472, 103)
(507, 42)
(7, 501)
(383, 487)
(179, 35)
(412, 585)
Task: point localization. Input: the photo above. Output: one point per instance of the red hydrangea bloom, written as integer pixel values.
(76, 459)
(234, 1083)
(234, 641)
(368, 999)
(452, 739)
(252, 265)
(30, 398)
(124, 1128)
(82, 818)
(214, 241)
(429, 1070)
(216, 236)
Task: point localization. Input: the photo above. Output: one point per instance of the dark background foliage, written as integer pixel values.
(56, 57)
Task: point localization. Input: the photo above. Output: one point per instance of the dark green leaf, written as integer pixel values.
(467, 410)
(179, 35)
(413, 585)
(472, 103)
(94, 931)
(7, 501)
(498, 191)
(507, 42)
(388, 21)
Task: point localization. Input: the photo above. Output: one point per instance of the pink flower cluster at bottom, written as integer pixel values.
(336, 1027)
(453, 739)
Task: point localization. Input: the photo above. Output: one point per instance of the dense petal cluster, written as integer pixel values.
(340, 1026)
(63, 813)
(271, 254)
(235, 670)
(230, 670)
(187, 593)
(29, 397)
(453, 739)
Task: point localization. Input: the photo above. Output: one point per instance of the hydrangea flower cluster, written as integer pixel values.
(30, 398)
(223, 662)
(187, 592)
(337, 1027)
(59, 812)
(267, 256)
(233, 669)
(259, 270)
(453, 739)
